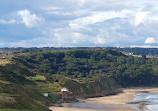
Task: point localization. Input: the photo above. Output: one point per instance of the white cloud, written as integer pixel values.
(30, 20)
(51, 8)
(23, 43)
(145, 17)
(99, 40)
(97, 17)
(140, 17)
(68, 37)
(150, 40)
(80, 22)
(104, 4)
(82, 2)
(59, 13)
(35, 42)
(77, 38)
(57, 38)
(3, 21)
(12, 21)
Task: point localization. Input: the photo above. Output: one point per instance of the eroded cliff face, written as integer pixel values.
(102, 87)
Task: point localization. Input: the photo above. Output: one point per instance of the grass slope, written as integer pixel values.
(19, 93)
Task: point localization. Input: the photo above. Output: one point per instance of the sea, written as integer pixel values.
(150, 100)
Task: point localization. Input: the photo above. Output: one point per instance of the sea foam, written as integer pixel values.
(151, 99)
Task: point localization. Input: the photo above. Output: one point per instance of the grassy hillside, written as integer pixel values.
(15, 96)
(86, 72)
(4, 61)
(18, 92)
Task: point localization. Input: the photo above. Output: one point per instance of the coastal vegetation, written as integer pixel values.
(86, 72)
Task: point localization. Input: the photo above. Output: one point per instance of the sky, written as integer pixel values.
(78, 23)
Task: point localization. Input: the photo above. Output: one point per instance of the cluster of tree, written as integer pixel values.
(87, 65)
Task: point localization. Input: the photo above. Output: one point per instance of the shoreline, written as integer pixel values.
(117, 102)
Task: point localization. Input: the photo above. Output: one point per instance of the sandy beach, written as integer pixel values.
(117, 102)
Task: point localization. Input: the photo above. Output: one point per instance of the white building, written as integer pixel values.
(45, 94)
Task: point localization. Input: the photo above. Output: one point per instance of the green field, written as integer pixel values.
(9, 110)
(4, 61)
(37, 77)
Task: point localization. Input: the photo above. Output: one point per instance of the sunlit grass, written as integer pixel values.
(9, 110)
(49, 87)
(6, 99)
(4, 61)
(4, 82)
(9, 95)
(37, 77)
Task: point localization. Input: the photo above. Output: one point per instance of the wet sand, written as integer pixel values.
(117, 102)
(113, 108)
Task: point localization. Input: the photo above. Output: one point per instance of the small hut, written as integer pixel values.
(67, 95)
(65, 92)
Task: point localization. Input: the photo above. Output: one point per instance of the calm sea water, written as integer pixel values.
(151, 99)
